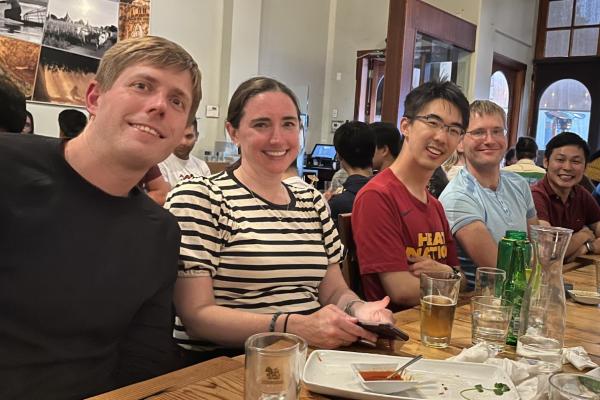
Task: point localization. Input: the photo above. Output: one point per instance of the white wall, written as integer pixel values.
(198, 27)
(293, 49)
(359, 25)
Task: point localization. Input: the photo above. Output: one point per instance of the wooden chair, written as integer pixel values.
(350, 269)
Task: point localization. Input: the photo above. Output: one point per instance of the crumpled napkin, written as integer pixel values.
(530, 383)
(578, 357)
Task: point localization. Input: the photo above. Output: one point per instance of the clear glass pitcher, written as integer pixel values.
(543, 312)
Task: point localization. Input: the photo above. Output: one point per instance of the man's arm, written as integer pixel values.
(478, 243)
(147, 349)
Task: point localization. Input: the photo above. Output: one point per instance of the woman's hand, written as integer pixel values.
(374, 311)
(420, 264)
(328, 328)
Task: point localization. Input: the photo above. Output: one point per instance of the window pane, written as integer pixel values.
(587, 12)
(564, 106)
(557, 43)
(499, 92)
(436, 59)
(559, 13)
(585, 42)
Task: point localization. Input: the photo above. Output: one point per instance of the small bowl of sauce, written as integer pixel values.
(372, 377)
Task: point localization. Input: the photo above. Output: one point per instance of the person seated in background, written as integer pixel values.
(71, 123)
(482, 202)
(526, 150)
(399, 228)
(510, 157)
(292, 177)
(12, 107)
(561, 201)
(29, 126)
(258, 255)
(455, 163)
(355, 145)
(182, 164)
(87, 261)
(155, 185)
(387, 144)
(337, 183)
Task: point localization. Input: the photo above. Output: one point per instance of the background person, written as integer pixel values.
(387, 144)
(561, 201)
(182, 164)
(355, 146)
(71, 123)
(254, 248)
(29, 125)
(12, 110)
(526, 150)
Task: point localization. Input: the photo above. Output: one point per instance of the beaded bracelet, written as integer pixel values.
(274, 320)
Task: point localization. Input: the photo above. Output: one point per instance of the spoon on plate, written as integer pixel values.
(404, 366)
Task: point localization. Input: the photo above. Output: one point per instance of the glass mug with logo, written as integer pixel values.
(274, 363)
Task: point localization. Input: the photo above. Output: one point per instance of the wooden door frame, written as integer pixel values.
(363, 58)
(514, 72)
(406, 18)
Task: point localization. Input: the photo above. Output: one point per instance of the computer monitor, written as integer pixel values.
(323, 151)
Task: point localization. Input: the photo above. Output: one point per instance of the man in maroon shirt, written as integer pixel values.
(399, 228)
(561, 201)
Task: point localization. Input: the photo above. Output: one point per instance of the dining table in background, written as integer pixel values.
(223, 378)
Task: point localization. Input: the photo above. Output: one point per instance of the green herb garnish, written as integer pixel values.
(499, 389)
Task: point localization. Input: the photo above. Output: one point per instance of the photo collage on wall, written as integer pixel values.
(51, 49)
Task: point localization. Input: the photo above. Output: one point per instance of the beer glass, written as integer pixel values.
(439, 295)
(274, 363)
(489, 281)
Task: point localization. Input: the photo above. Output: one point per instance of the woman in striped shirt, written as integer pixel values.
(257, 254)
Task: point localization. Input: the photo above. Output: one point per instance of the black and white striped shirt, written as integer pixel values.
(262, 257)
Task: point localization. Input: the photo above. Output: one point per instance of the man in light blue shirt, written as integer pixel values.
(482, 202)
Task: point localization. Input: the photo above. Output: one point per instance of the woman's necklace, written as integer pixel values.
(279, 218)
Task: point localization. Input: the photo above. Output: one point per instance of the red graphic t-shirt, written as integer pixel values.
(389, 224)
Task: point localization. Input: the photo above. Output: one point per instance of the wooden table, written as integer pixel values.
(223, 378)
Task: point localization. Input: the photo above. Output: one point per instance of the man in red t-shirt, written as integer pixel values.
(399, 228)
(561, 201)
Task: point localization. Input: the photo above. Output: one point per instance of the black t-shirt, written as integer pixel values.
(86, 278)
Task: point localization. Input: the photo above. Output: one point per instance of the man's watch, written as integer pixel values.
(589, 246)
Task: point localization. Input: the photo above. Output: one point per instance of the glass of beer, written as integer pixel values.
(439, 295)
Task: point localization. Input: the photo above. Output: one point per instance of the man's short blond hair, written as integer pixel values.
(154, 51)
(487, 107)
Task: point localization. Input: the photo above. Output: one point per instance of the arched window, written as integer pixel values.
(564, 106)
(499, 90)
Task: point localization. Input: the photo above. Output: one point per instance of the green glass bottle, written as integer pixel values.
(514, 289)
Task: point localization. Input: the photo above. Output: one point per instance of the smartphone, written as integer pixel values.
(384, 331)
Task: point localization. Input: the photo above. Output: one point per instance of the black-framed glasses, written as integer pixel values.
(482, 133)
(434, 122)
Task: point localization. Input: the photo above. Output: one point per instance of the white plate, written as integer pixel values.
(329, 372)
(383, 386)
(585, 297)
